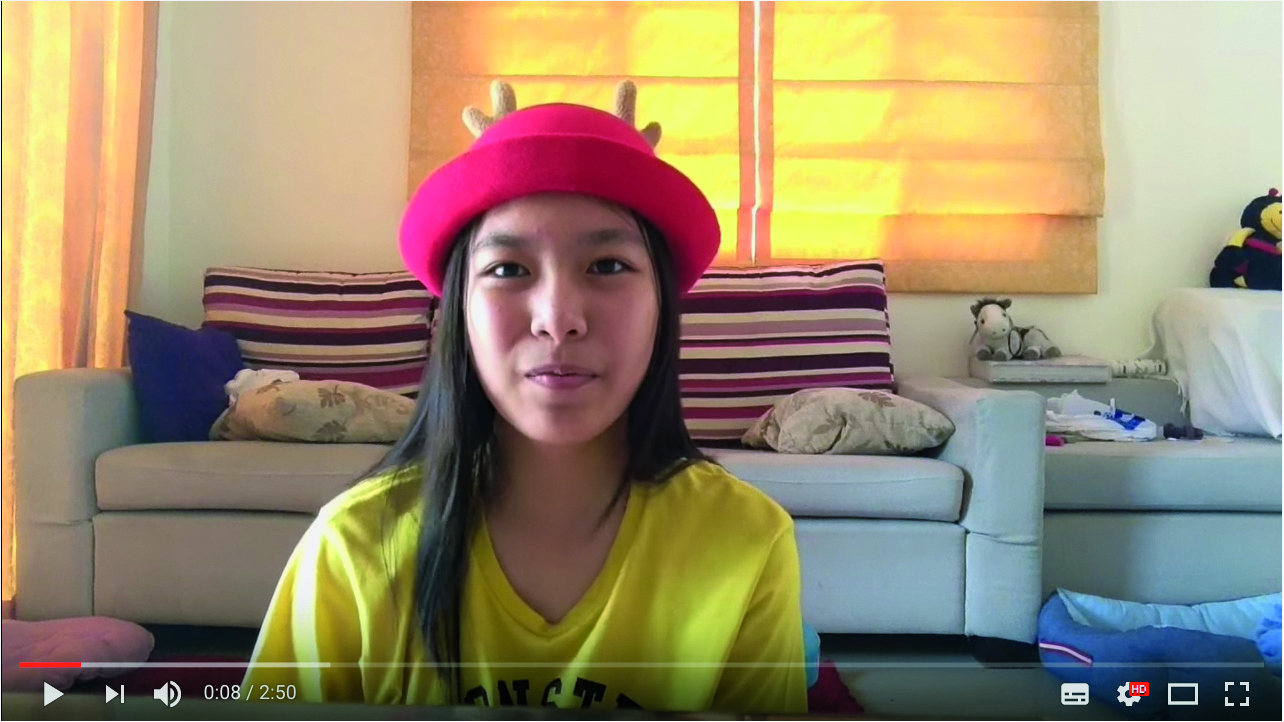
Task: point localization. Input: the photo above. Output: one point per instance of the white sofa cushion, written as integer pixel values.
(207, 568)
(273, 476)
(1216, 474)
(886, 487)
(1162, 557)
(919, 564)
(232, 475)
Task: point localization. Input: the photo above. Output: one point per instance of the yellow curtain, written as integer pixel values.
(958, 141)
(685, 56)
(78, 91)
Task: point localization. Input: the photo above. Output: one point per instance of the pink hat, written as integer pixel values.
(557, 148)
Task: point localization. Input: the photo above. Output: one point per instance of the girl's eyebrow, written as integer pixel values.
(609, 235)
(500, 239)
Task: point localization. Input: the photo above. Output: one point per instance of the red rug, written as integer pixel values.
(830, 695)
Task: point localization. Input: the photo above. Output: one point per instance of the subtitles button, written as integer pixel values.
(1074, 693)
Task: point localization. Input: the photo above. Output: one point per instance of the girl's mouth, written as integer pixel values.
(561, 383)
(561, 377)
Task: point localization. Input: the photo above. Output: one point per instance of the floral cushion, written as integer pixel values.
(848, 421)
(316, 411)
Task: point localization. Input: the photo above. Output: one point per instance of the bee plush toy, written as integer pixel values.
(1252, 257)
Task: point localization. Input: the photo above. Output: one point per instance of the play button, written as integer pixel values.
(51, 694)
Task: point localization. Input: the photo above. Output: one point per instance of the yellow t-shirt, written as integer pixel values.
(696, 608)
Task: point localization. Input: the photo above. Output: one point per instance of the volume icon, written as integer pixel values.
(169, 695)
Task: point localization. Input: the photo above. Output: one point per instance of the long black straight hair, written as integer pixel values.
(452, 437)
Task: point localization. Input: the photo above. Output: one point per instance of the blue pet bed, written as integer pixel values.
(1108, 643)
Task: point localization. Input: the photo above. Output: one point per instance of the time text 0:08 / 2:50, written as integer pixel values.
(250, 692)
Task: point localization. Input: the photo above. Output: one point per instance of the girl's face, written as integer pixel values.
(562, 308)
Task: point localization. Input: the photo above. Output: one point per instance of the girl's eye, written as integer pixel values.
(609, 266)
(506, 270)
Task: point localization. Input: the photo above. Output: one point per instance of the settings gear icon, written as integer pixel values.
(1125, 697)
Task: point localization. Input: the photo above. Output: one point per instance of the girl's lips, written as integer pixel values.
(561, 382)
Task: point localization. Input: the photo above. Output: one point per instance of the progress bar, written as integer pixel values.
(638, 665)
(176, 665)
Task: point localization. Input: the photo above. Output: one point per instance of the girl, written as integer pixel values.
(546, 532)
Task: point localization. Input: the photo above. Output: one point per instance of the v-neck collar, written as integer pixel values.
(588, 606)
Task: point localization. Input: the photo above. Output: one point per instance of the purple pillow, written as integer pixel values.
(752, 336)
(179, 375)
(81, 639)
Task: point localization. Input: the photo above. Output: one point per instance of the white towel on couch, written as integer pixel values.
(1223, 347)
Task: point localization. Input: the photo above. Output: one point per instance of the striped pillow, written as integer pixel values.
(368, 328)
(752, 336)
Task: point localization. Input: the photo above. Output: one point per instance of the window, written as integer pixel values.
(958, 141)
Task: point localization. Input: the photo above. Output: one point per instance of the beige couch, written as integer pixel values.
(197, 533)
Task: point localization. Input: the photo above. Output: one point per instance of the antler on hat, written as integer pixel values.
(626, 99)
(562, 147)
(503, 100)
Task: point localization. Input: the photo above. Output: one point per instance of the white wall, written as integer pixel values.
(281, 140)
(281, 137)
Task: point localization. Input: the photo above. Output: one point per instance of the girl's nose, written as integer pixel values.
(559, 309)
